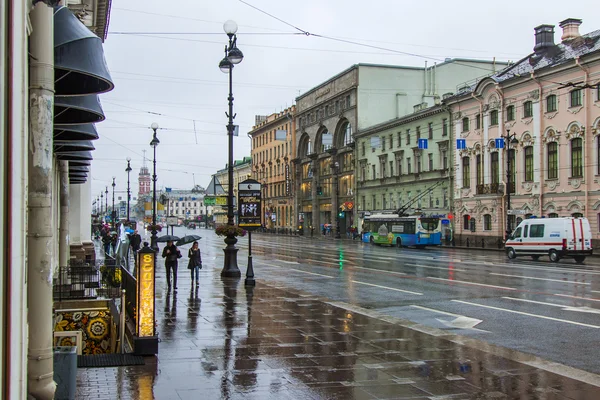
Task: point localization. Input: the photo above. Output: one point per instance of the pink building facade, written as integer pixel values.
(528, 139)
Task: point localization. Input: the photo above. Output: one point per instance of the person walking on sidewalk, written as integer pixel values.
(106, 240)
(195, 263)
(171, 254)
(135, 241)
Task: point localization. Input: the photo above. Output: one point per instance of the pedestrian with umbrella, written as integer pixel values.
(195, 263)
(171, 254)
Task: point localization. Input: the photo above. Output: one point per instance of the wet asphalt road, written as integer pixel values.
(537, 307)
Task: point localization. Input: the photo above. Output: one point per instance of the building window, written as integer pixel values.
(552, 160)
(551, 103)
(418, 164)
(528, 163)
(373, 172)
(598, 92)
(479, 170)
(473, 223)
(391, 168)
(348, 134)
(347, 101)
(555, 215)
(408, 136)
(598, 155)
(478, 121)
(382, 143)
(466, 165)
(399, 166)
(374, 200)
(527, 109)
(487, 222)
(577, 215)
(391, 141)
(444, 127)
(465, 124)
(494, 117)
(408, 166)
(466, 222)
(418, 133)
(495, 167)
(576, 158)
(444, 159)
(362, 148)
(510, 113)
(399, 139)
(576, 97)
(430, 162)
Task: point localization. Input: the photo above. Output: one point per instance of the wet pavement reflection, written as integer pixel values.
(223, 340)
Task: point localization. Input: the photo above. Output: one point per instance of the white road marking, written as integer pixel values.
(388, 288)
(540, 279)
(556, 270)
(534, 302)
(442, 268)
(435, 311)
(472, 283)
(595, 291)
(299, 270)
(527, 314)
(288, 262)
(575, 297)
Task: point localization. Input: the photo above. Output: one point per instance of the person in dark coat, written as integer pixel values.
(106, 240)
(135, 241)
(171, 254)
(195, 263)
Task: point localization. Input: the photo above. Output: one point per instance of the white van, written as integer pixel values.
(555, 237)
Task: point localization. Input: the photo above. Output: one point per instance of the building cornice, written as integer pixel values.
(401, 121)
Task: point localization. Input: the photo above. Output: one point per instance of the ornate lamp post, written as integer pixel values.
(154, 143)
(128, 170)
(101, 200)
(106, 201)
(113, 214)
(233, 56)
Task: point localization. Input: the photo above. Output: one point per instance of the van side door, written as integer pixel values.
(535, 241)
(516, 240)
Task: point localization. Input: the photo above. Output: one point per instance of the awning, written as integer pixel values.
(73, 145)
(77, 110)
(74, 155)
(75, 132)
(79, 163)
(78, 169)
(79, 64)
(77, 175)
(77, 181)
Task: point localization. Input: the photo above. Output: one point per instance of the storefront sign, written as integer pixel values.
(288, 183)
(145, 292)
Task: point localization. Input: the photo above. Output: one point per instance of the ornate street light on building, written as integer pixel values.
(232, 57)
(128, 170)
(113, 214)
(154, 143)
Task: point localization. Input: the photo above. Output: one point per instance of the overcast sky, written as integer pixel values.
(173, 79)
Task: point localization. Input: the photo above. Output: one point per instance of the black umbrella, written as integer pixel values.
(167, 238)
(187, 239)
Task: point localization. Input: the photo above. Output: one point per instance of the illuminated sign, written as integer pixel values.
(249, 204)
(145, 293)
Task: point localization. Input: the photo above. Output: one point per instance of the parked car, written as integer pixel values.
(555, 237)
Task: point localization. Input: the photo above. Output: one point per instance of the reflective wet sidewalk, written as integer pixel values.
(225, 341)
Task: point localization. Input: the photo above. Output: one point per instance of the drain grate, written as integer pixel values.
(108, 360)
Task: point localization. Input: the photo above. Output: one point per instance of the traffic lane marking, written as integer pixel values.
(299, 270)
(563, 307)
(527, 314)
(472, 283)
(388, 288)
(461, 321)
(540, 279)
(575, 297)
(448, 268)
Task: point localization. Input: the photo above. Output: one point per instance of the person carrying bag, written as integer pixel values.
(195, 263)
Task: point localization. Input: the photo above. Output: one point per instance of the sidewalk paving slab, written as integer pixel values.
(226, 341)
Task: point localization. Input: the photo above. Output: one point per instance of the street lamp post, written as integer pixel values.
(509, 139)
(154, 143)
(101, 200)
(232, 56)
(113, 214)
(106, 201)
(128, 170)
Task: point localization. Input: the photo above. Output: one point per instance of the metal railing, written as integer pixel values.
(81, 280)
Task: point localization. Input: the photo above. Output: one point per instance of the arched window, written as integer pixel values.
(553, 215)
(309, 149)
(552, 158)
(577, 215)
(466, 165)
(487, 222)
(473, 223)
(466, 222)
(347, 134)
(576, 158)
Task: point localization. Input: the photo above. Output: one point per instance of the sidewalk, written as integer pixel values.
(225, 341)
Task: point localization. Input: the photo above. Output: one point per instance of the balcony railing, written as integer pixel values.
(490, 188)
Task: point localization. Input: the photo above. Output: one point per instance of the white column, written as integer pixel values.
(75, 214)
(85, 209)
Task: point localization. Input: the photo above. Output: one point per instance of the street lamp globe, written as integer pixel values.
(154, 126)
(225, 65)
(230, 27)
(128, 159)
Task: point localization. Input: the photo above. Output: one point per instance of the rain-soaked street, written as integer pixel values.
(344, 320)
